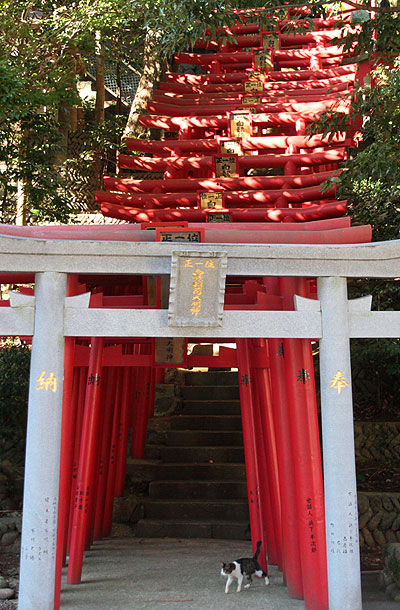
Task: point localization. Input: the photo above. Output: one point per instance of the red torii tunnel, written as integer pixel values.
(286, 201)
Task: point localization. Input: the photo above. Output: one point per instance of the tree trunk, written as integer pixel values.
(100, 91)
(151, 72)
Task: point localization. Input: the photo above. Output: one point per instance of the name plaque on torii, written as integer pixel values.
(197, 288)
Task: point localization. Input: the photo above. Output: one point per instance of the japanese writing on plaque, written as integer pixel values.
(211, 201)
(170, 350)
(256, 75)
(166, 235)
(251, 99)
(270, 39)
(253, 85)
(240, 124)
(197, 288)
(262, 59)
(47, 383)
(231, 147)
(226, 166)
(219, 217)
(339, 382)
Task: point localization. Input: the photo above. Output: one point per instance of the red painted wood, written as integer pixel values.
(250, 449)
(85, 475)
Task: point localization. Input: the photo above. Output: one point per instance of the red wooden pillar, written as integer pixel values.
(267, 425)
(109, 376)
(305, 440)
(140, 413)
(113, 454)
(264, 482)
(249, 441)
(84, 486)
(77, 446)
(123, 432)
(292, 571)
(68, 424)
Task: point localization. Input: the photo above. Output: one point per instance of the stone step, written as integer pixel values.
(233, 455)
(212, 378)
(224, 530)
(212, 407)
(201, 472)
(191, 438)
(206, 422)
(198, 489)
(210, 392)
(143, 469)
(234, 510)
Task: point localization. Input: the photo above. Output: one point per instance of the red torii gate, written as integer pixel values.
(280, 425)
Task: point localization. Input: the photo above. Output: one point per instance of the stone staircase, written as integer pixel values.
(199, 489)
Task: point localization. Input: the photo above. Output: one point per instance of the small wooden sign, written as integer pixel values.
(249, 100)
(226, 166)
(240, 125)
(230, 147)
(197, 288)
(253, 85)
(152, 226)
(180, 235)
(215, 216)
(211, 201)
(262, 59)
(170, 351)
(256, 75)
(270, 39)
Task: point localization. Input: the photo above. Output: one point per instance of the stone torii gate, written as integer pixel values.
(50, 316)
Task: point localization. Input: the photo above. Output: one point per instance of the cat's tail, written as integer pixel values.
(256, 554)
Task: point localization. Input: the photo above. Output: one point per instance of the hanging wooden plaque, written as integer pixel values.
(215, 216)
(197, 288)
(226, 166)
(256, 75)
(240, 124)
(262, 59)
(230, 147)
(211, 201)
(253, 85)
(170, 351)
(270, 39)
(249, 100)
(179, 235)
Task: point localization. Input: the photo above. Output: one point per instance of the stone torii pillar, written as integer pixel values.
(343, 553)
(42, 463)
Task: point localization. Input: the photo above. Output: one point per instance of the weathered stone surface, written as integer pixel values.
(9, 537)
(379, 537)
(369, 541)
(127, 510)
(374, 522)
(6, 593)
(3, 583)
(364, 518)
(363, 503)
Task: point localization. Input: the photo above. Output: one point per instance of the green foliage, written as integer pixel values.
(14, 385)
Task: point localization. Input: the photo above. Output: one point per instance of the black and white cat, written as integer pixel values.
(246, 566)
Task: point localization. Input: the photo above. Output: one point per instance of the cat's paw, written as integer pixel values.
(246, 586)
(266, 580)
